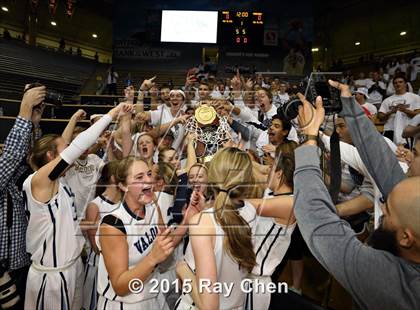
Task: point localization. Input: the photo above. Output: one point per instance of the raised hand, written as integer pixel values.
(343, 88)
(34, 96)
(121, 109)
(269, 148)
(249, 85)
(79, 115)
(310, 118)
(162, 247)
(31, 98)
(147, 84)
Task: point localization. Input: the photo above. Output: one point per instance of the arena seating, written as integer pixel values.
(20, 64)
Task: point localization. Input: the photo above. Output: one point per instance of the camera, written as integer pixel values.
(316, 85)
(51, 97)
(8, 293)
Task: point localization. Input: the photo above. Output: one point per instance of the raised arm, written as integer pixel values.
(330, 239)
(68, 131)
(17, 142)
(43, 182)
(280, 207)
(371, 146)
(126, 141)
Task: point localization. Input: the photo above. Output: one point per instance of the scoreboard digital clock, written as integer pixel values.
(241, 28)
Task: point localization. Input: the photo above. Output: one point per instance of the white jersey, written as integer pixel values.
(228, 270)
(271, 242)
(82, 178)
(140, 235)
(90, 280)
(53, 234)
(105, 207)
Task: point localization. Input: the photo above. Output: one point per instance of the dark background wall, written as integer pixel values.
(143, 34)
(376, 24)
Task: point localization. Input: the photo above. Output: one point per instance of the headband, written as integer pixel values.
(177, 91)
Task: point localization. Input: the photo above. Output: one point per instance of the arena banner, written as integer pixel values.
(133, 51)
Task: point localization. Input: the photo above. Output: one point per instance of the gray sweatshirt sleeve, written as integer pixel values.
(372, 148)
(239, 128)
(375, 279)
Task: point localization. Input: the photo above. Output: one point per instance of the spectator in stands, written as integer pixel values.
(415, 67)
(376, 89)
(413, 129)
(13, 171)
(361, 94)
(391, 90)
(111, 83)
(403, 65)
(396, 110)
(79, 52)
(96, 56)
(393, 262)
(6, 34)
(62, 45)
(282, 96)
(361, 81)
(294, 62)
(164, 96)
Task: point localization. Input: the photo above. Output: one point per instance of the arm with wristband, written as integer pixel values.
(44, 185)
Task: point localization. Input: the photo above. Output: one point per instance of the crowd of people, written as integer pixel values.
(210, 184)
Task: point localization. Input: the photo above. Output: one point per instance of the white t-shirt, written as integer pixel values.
(82, 178)
(411, 99)
(415, 121)
(280, 99)
(375, 97)
(263, 140)
(362, 82)
(370, 107)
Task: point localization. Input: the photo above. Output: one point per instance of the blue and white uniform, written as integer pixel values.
(55, 278)
(271, 241)
(228, 270)
(90, 296)
(140, 235)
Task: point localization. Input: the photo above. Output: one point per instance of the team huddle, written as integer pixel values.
(189, 204)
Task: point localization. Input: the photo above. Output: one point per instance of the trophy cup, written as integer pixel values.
(211, 130)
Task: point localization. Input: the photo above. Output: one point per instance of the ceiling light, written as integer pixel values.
(357, 43)
(315, 49)
(94, 35)
(403, 33)
(53, 23)
(4, 8)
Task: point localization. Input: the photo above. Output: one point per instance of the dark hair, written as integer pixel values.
(167, 173)
(285, 123)
(162, 152)
(206, 83)
(285, 157)
(400, 76)
(165, 86)
(286, 163)
(108, 170)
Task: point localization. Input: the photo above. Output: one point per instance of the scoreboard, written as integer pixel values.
(241, 28)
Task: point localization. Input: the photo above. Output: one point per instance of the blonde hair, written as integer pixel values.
(229, 174)
(40, 149)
